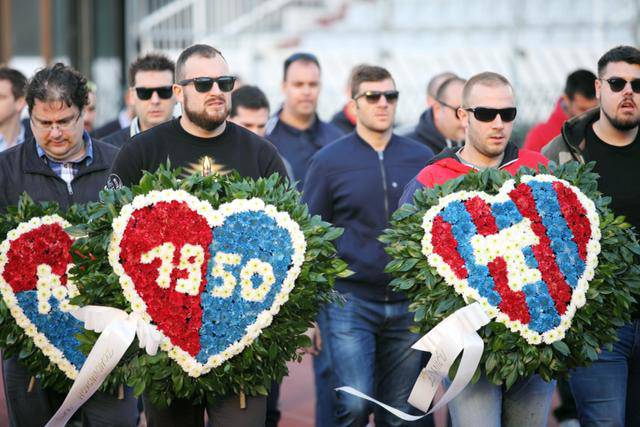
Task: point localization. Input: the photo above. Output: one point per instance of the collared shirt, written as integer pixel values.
(298, 146)
(67, 171)
(134, 129)
(4, 144)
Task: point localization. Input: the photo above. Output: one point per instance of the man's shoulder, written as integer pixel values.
(413, 145)
(118, 138)
(104, 149)
(158, 133)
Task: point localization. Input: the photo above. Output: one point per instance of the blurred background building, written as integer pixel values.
(535, 43)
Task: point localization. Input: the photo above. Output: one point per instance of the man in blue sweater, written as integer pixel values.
(356, 183)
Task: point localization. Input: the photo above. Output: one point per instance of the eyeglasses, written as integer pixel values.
(373, 96)
(618, 83)
(444, 104)
(485, 114)
(62, 125)
(145, 93)
(204, 84)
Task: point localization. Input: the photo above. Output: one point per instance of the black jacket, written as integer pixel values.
(118, 138)
(426, 133)
(341, 121)
(22, 170)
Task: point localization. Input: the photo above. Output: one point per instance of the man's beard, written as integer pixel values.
(204, 120)
(622, 125)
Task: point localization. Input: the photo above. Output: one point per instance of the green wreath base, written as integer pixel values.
(508, 356)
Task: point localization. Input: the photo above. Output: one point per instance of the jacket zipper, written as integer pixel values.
(384, 184)
(385, 190)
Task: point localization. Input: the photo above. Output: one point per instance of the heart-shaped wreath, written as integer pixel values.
(232, 271)
(526, 248)
(37, 260)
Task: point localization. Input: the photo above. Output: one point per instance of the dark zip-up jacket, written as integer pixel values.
(297, 146)
(570, 144)
(21, 169)
(446, 166)
(428, 134)
(357, 188)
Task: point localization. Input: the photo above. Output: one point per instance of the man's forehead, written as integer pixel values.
(621, 69)
(53, 108)
(303, 70)
(453, 91)
(484, 94)
(199, 66)
(153, 78)
(379, 85)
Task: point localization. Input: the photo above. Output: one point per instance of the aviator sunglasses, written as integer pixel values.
(618, 83)
(145, 93)
(204, 84)
(485, 114)
(373, 96)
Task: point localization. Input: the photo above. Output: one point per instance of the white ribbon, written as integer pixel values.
(455, 334)
(118, 331)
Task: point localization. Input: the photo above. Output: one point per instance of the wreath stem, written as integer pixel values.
(32, 384)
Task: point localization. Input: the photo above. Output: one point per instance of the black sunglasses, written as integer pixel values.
(618, 83)
(145, 93)
(204, 84)
(373, 96)
(485, 114)
(444, 104)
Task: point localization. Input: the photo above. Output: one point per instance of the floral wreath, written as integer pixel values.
(126, 254)
(585, 299)
(36, 326)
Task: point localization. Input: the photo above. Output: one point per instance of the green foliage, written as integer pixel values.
(265, 359)
(610, 299)
(13, 339)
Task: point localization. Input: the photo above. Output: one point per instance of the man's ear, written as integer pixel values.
(598, 86)
(178, 92)
(20, 104)
(463, 115)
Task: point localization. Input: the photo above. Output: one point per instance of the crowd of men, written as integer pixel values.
(354, 172)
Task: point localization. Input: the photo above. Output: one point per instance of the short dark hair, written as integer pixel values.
(250, 97)
(487, 78)
(628, 54)
(368, 73)
(16, 78)
(150, 62)
(58, 82)
(582, 82)
(203, 50)
(442, 90)
(304, 57)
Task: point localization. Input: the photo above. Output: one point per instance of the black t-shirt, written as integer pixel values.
(234, 149)
(619, 169)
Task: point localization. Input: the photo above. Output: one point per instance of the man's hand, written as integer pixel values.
(314, 334)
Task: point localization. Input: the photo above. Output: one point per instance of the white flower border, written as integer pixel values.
(461, 286)
(54, 354)
(215, 218)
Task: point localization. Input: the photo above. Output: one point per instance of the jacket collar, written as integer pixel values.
(510, 156)
(32, 162)
(574, 131)
(426, 129)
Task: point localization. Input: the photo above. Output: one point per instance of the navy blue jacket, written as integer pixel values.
(21, 169)
(297, 146)
(357, 188)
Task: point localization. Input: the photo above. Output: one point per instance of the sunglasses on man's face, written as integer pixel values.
(618, 83)
(204, 84)
(373, 96)
(145, 93)
(485, 114)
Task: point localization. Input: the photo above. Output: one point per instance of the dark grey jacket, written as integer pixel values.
(22, 170)
(569, 145)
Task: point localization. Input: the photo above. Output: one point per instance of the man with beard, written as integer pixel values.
(607, 392)
(201, 140)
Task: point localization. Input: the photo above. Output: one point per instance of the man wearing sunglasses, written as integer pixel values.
(439, 126)
(607, 392)
(202, 135)
(355, 183)
(487, 115)
(61, 164)
(201, 141)
(151, 91)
